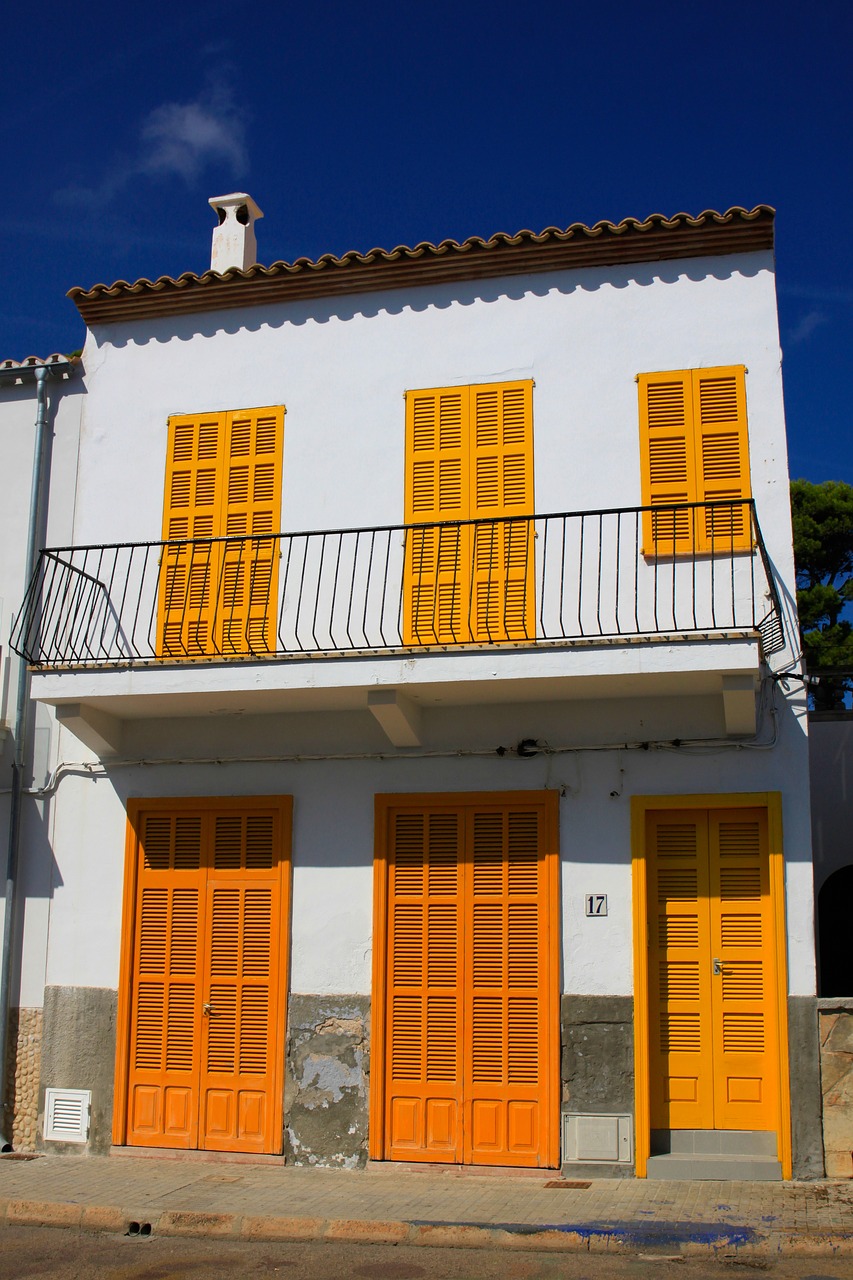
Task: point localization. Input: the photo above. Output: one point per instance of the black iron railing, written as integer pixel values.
(691, 569)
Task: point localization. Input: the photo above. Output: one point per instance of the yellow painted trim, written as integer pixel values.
(771, 801)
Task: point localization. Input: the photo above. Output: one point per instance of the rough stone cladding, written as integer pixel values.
(836, 1073)
(23, 1066)
(326, 1082)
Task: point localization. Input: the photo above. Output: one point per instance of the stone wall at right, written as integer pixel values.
(836, 1079)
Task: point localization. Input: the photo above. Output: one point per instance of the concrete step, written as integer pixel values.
(698, 1167)
(713, 1142)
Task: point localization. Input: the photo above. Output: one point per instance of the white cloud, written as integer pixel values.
(179, 139)
(803, 331)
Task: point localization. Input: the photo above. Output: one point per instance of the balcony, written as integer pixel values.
(598, 583)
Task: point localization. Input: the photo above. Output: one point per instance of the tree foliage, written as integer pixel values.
(823, 551)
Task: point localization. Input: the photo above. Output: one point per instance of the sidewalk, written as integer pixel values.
(433, 1207)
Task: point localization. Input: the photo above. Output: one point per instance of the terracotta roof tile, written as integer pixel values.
(657, 237)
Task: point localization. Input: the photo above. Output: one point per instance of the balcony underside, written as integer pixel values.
(725, 667)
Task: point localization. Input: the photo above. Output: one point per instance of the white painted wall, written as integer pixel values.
(341, 367)
(17, 436)
(333, 833)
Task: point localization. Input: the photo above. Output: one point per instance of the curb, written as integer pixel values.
(575, 1238)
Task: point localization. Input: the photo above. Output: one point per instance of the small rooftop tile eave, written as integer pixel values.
(738, 230)
(13, 370)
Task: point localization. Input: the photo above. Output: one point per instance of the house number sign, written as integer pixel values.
(596, 904)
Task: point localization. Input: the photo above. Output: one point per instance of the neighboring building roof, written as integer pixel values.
(710, 234)
(19, 370)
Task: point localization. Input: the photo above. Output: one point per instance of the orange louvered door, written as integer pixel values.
(468, 1003)
(437, 575)
(207, 978)
(167, 977)
(680, 1029)
(243, 962)
(189, 573)
(713, 1027)
(722, 458)
(423, 1063)
(667, 463)
(507, 1028)
(501, 478)
(251, 502)
(746, 1050)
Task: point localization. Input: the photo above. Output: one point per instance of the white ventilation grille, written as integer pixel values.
(608, 1139)
(66, 1115)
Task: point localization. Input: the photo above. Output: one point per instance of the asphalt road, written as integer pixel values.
(71, 1255)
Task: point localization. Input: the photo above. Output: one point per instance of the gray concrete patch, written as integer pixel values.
(597, 1066)
(326, 1081)
(806, 1101)
(78, 1052)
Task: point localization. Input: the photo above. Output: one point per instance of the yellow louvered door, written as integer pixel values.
(243, 962)
(506, 990)
(437, 572)
(746, 1051)
(501, 478)
(667, 463)
(251, 508)
(722, 457)
(713, 1022)
(167, 979)
(423, 1060)
(680, 1029)
(189, 574)
(469, 984)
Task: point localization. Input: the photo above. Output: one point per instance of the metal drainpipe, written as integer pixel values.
(19, 729)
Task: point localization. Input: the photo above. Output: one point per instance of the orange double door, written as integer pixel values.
(715, 1025)
(202, 1009)
(466, 980)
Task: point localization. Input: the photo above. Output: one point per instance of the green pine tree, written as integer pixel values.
(823, 551)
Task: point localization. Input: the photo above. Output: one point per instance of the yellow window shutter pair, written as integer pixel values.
(694, 448)
(223, 479)
(469, 456)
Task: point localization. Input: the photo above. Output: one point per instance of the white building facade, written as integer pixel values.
(427, 786)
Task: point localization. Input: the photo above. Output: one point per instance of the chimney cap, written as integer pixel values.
(234, 200)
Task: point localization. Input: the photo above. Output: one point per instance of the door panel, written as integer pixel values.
(207, 986)
(713, 1026)
(468, 999)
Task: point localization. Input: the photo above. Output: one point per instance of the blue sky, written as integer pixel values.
(357, 125)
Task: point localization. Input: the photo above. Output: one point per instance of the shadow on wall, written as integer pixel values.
(417, 298)
(836, 954)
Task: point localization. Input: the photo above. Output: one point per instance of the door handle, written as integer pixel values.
(207, 1007)
(718, 966)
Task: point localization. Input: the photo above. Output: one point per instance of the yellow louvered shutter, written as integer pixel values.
(506, 988)
(423, 1066)
(713, 1023)
(223, 479)
(438, 560)
(251, 506)
(191, 509)
(469, 992)
(722, 456)
(667, 462)
(166, 998)
(469, 454)
(243, 960)
(502, 485)
(694, 448)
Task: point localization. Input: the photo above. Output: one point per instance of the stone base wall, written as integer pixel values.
(836, 1075)
(327, 1080)
(79, 1053)
(23, 1066)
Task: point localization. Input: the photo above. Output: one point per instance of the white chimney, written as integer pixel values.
(234, 243)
